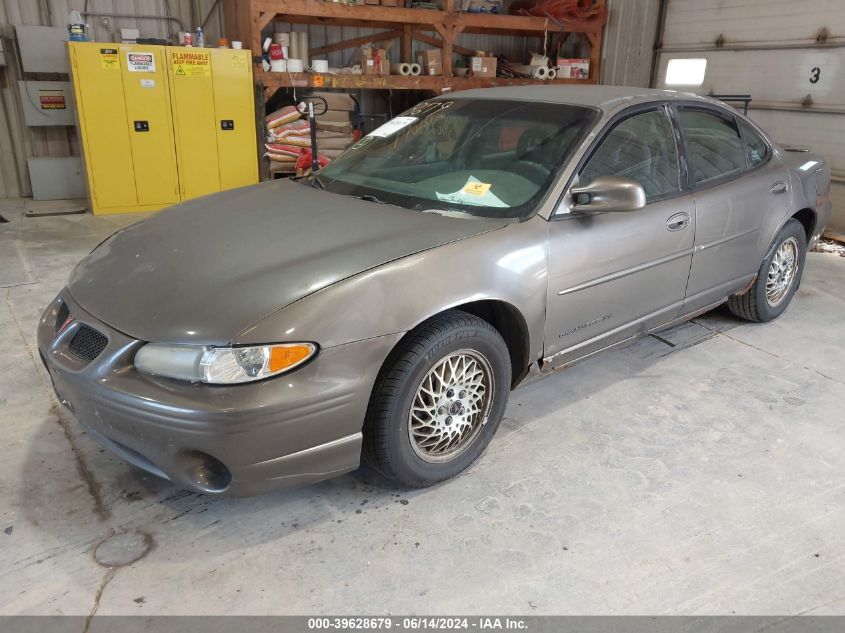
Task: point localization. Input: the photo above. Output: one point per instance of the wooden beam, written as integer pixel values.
(337, 11)
(407, 43)
(358, 41)
(595, 55)
(433, 41)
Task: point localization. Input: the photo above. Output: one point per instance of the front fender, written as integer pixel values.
(507, 264)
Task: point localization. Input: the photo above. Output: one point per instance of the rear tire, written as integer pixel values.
(438, 400)
(778, 277)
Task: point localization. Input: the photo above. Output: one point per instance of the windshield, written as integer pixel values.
(483, 158)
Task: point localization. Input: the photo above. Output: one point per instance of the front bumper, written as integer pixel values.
(237, 440)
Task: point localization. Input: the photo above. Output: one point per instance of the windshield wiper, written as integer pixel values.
(371, 198)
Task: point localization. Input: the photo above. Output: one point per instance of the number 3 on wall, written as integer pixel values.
(814, 75)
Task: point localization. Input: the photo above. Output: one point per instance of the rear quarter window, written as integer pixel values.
(714, 146)
(756, 149)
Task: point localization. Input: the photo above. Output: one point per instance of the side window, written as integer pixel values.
(756, 150)
(714, 145)
(641, 147)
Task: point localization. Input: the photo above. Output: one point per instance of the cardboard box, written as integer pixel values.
(335, 126)
(573, 68)
(337, 100)
(431, 61)
(339, 116)
(483, 66)
(374, 61)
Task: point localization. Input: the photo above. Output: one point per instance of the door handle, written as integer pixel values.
(779, 187)
(678, 221)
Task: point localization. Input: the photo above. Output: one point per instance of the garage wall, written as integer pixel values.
(628, 43)
(18, 142)
(789, 55)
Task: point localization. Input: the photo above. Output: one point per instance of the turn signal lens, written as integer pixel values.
(285, 356)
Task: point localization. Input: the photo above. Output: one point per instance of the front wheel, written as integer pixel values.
(778, 277)
(438, 401)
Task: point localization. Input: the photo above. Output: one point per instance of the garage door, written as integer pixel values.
(789, 55)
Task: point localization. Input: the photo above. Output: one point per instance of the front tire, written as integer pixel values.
(778, 277)
(438, 400)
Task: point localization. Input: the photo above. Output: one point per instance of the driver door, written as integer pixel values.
(613, 275)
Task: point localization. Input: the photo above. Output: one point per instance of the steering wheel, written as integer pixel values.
(535, 172)
(531, 145)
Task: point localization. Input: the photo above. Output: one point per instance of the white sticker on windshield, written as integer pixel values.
(474, 192)
(394, 125)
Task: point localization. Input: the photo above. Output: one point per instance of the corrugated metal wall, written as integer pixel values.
(628, 43)
(18, 142)
(770, 50)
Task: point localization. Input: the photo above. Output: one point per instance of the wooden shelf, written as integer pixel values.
(318, 12)
(274, 81)
(247, 19)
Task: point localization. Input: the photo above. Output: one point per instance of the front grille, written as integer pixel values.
(62, 316)
(87, 343)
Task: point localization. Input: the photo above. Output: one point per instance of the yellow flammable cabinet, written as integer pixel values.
(163, 124)
(123, 101)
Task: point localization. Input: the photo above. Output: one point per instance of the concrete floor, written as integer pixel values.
(706, 477)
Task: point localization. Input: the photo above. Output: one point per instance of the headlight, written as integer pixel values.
(221, 365)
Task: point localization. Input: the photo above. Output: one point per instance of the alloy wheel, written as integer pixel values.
(451, 406)
(782, 272)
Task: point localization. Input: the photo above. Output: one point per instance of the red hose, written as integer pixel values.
(583, 11)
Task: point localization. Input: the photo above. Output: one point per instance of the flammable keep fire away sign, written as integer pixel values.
(191, 63)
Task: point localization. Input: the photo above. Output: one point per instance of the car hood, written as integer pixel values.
(204, 270)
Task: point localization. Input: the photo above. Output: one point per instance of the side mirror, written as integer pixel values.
(608, 193)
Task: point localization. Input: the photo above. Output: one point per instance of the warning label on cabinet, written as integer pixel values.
(141, 62)
(109, 59)
(52, 99)
(192, 63)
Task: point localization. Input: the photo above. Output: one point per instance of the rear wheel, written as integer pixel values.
(778, 277)
(438, 401)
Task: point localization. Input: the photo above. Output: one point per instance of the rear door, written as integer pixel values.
(612, 275)
(735, 184)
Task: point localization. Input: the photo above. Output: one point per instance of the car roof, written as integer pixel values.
(603, 97)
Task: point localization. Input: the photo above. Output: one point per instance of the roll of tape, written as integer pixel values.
(539, 72)
(320, 66)
(552, 73)
(416, 70)
(278, 65)
(294, 65)
(400, 69)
